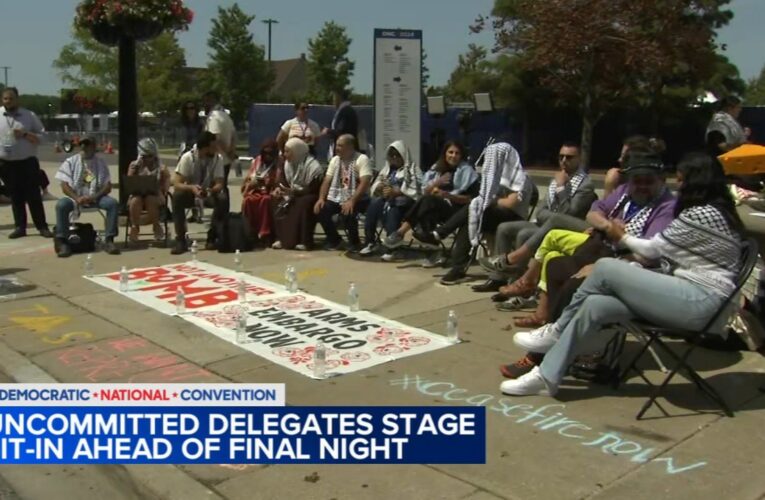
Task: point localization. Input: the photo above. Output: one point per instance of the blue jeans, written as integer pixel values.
(617, 291)
(391, 215)
(65, 206)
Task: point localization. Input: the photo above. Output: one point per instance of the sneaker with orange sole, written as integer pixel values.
(522, 366)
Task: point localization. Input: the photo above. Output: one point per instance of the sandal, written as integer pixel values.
(529, 322)
(134, 232)
(519, 288)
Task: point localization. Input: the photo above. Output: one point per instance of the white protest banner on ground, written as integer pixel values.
(285, 329)
(281, 327)
(203, 284)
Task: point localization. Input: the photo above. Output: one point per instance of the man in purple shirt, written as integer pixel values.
(644, 206)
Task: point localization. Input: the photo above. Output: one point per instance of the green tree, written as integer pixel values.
(424, 70)
(601, 54)
(329, 69)
(238, 70)
(755, 90)
(92, 68)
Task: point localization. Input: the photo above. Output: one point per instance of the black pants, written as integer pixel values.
(493, 216)
(183, 200)
(350, 222)
(429, 211)
(22, 180)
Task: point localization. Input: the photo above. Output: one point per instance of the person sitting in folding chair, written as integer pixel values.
(700, 256)
(148, 164)
(397, 188)
(86, 183)
(199, 179)
(504, 195)
(344, 191)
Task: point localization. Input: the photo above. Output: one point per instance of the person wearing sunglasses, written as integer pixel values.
(569, 197)
(258, 185)
(300, 127)
(191, 126)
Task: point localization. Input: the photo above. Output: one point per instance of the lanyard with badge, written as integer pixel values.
(8, 139)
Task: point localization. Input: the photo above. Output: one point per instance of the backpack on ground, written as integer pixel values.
(233, 233)
(82, 238)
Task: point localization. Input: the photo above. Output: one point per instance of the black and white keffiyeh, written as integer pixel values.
(344, 180)
(635, 226)
(571, 186)
(501, 167)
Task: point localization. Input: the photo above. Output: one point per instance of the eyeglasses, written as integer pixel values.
(566, 157)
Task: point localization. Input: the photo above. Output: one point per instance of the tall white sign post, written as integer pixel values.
(397, 90)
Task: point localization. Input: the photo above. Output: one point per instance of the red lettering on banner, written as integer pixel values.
(224, 281)
(140, 274)
(170, 289)
(258, 291)
(211, 299)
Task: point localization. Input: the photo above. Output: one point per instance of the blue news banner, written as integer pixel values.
(238, 434)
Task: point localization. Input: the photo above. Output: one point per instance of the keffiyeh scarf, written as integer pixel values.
(343, 181)
(725, 124)
(502, 167)
(636, 224)
(571, 186)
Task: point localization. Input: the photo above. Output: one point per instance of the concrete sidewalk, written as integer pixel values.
(584, 444)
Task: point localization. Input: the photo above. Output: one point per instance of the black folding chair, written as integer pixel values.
(655, 335)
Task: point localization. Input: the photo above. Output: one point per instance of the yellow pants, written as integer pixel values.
(557, 243)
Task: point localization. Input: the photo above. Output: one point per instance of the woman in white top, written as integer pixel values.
(699, 253)
(300, 127)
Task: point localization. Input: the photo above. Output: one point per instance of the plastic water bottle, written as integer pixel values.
(241, 327)
(180, 302)
(292, 282)
(320, 361)
(124, 280)
(238, 261)
(89, 265)
(194, 250)
(242, 291)
(353, 298)
(452, 332)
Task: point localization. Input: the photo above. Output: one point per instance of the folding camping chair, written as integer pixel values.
(141, 185)
(656, 334)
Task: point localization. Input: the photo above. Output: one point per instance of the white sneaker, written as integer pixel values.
(277, 245)
(539, 340)
(388, 257)
(368, 250)
(300, 248)
(531, 384)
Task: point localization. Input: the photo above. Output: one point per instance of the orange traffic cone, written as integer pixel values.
(109, 148)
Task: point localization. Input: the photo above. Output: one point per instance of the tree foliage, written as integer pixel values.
(329, 69)
(600, 54)
(92, 67)
(238, 70)
(755, 90)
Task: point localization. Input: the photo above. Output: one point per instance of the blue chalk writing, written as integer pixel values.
(547, 417)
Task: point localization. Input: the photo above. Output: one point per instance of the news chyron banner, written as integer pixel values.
(223, 424)
(282, 327)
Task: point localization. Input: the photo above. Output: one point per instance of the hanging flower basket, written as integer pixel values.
(108, 20)
(106, 34)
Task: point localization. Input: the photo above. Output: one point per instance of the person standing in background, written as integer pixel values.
(218, 122)
(345, 121)
(20, 132)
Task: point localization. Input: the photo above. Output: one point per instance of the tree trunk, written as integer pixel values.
(588, 124)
